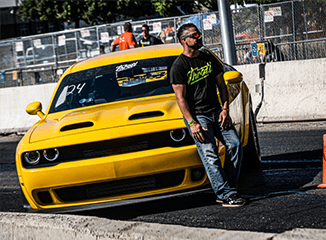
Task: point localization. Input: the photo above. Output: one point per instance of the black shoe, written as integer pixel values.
(234, 200)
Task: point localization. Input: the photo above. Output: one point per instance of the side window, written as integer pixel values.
(62, 97)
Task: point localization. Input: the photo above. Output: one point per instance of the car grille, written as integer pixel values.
(121, 187)
(113, 147)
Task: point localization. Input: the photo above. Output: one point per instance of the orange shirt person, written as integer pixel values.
(126, 40)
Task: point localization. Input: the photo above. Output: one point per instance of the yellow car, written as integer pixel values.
(113, 134)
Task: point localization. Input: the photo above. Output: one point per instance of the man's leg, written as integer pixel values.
(234, 153)
(208, 153)
(233, 159)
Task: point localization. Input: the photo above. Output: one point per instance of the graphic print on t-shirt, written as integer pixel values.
(122, 39)
(199, 73)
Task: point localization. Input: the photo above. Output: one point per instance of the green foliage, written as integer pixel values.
(105, 11)
(29, 10)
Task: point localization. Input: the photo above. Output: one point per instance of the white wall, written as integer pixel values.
(294, 90)
(13, 102)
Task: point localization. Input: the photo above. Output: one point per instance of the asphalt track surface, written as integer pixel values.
(282, 195)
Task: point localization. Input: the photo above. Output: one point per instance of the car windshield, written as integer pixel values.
(118, 82)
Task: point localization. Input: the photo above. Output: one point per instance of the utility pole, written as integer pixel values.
(227, 32)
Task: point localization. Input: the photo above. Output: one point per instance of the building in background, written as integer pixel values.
(11, 25)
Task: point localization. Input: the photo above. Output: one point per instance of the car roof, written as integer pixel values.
(155, 51)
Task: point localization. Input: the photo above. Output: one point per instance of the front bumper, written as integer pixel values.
(99, 171)
(118, 203)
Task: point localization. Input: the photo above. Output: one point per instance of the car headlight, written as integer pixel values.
(33, 157)
(51, 154)
(178, 135)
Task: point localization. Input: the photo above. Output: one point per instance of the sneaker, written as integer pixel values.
(234, 200)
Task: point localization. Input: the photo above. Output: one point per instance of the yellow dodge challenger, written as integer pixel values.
(113, 134)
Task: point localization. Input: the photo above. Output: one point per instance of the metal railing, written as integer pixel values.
(292, 30)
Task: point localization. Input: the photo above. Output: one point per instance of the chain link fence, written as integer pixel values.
(292, 30)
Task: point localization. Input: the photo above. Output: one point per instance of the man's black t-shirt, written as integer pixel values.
(199, 76)
(149, 41)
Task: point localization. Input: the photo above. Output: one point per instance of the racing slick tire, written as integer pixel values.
(251, 152)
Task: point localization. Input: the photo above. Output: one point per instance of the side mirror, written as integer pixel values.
(232, 77)
(35, 108)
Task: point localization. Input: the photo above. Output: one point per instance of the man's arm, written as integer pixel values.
(180, 93)
(115, 43)
(224, 95)
(113, 46)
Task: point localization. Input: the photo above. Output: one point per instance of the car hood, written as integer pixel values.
(106, 116)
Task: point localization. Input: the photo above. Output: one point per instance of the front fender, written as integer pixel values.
(239, 112)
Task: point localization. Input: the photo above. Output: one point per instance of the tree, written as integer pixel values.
(213, 6)
(90, 11)
(99, 11)
(30, 9)
(104, 11)
(170, 8)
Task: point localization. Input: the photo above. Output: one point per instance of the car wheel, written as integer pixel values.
(251, 152)
(24, 202)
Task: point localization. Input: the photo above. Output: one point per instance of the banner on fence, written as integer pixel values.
(14, 75)
(254, 49)
(2, 77)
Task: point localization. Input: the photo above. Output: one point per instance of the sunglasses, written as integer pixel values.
(144, 30)
(195, 35)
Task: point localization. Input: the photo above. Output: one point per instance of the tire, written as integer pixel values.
(24, 202)
(251, 153)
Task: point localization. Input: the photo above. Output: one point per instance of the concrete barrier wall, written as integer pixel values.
(293, 91)
(13, 102)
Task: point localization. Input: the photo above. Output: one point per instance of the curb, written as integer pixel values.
(50, 226)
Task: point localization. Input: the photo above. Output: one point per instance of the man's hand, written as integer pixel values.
(198, 132)
(225, 119)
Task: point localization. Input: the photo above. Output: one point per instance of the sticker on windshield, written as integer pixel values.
(126, 67)
(72, 88)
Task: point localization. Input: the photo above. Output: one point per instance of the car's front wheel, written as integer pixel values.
(251, 152)
(24, 202)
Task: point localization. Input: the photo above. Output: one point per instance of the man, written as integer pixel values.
(148, 39)
(248, 57)
(194, 77)
(126, 40)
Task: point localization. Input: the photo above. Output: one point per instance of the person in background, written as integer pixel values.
(162, 35)
(126, 40)
(169, 30)
(169, 34)
(248, 57)
(195, 76)
(273, 53)
(148, 39)
(102, 49)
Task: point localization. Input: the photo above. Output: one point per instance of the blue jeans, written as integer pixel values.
(223, 180)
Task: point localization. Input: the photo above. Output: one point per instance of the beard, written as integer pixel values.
(198, 44)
